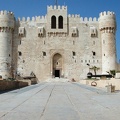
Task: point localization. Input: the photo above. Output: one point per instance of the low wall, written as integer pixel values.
(103, 83)
(10, 85)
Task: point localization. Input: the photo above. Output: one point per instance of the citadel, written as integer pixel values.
(57, 45)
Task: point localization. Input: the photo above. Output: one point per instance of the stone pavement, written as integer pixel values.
(59, 101)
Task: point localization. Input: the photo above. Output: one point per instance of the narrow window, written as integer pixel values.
(103, 41)
(74, 54)
(44, 53)
(53, 22)
(60, 22)
(81, 61)
(20, 54)
(94, 53)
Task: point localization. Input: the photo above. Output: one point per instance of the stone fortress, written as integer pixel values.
(57, 45)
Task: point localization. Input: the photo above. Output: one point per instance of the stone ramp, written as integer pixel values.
(57, 79)
(59, 101)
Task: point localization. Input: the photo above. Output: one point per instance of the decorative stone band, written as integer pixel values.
(60, 34)
(108, 30)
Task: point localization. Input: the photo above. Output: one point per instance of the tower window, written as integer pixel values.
(60, 22)
(44, 53)
(103, 41)
(20, 54)
(74, 54)
(94, 53)
(53, 22)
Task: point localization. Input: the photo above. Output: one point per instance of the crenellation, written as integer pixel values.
(33, 19)
(105, 13)
(81, 19)
(59, 7)
(23, 19)
(64, 7)
(69, 15)
(77, 16)
(74, 16)
(28, 19)
(85, 19)
(90, 19)
(56, 7)
(6, 13)
(95, 19)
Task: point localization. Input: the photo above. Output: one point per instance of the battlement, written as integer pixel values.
(35, 19)
(6, 13)
(90, 19)
(57, 7)
(6, 19)
(83, 19)
(74, 16)
(108, 13)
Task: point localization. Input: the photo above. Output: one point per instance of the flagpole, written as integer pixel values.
(56, 2)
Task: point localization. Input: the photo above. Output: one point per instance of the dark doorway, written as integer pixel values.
(57, 73)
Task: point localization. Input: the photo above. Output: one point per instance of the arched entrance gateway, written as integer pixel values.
(57, 65)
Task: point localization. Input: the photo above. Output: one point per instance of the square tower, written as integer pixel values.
(57, 19)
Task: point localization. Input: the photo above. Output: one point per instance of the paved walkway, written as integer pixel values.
(59, 101)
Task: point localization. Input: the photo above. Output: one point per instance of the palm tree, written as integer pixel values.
(95, 69)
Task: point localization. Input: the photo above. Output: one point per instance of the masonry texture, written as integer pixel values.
(57, 45)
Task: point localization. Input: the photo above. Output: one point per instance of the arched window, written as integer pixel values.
(60, 22)
(53, 22)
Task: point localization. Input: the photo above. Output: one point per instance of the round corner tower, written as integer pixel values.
(107, 26)
(6, 35)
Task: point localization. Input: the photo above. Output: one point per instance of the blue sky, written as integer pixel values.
(86, 8)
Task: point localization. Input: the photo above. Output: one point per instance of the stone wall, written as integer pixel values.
(10, 85)
(79, 42)
(103, 83)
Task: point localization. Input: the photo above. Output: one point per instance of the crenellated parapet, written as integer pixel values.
(107, 22)
(49, 8)
(74, 16)
(77, 17)
(33, 19)
(90, 19)
(7, 20)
